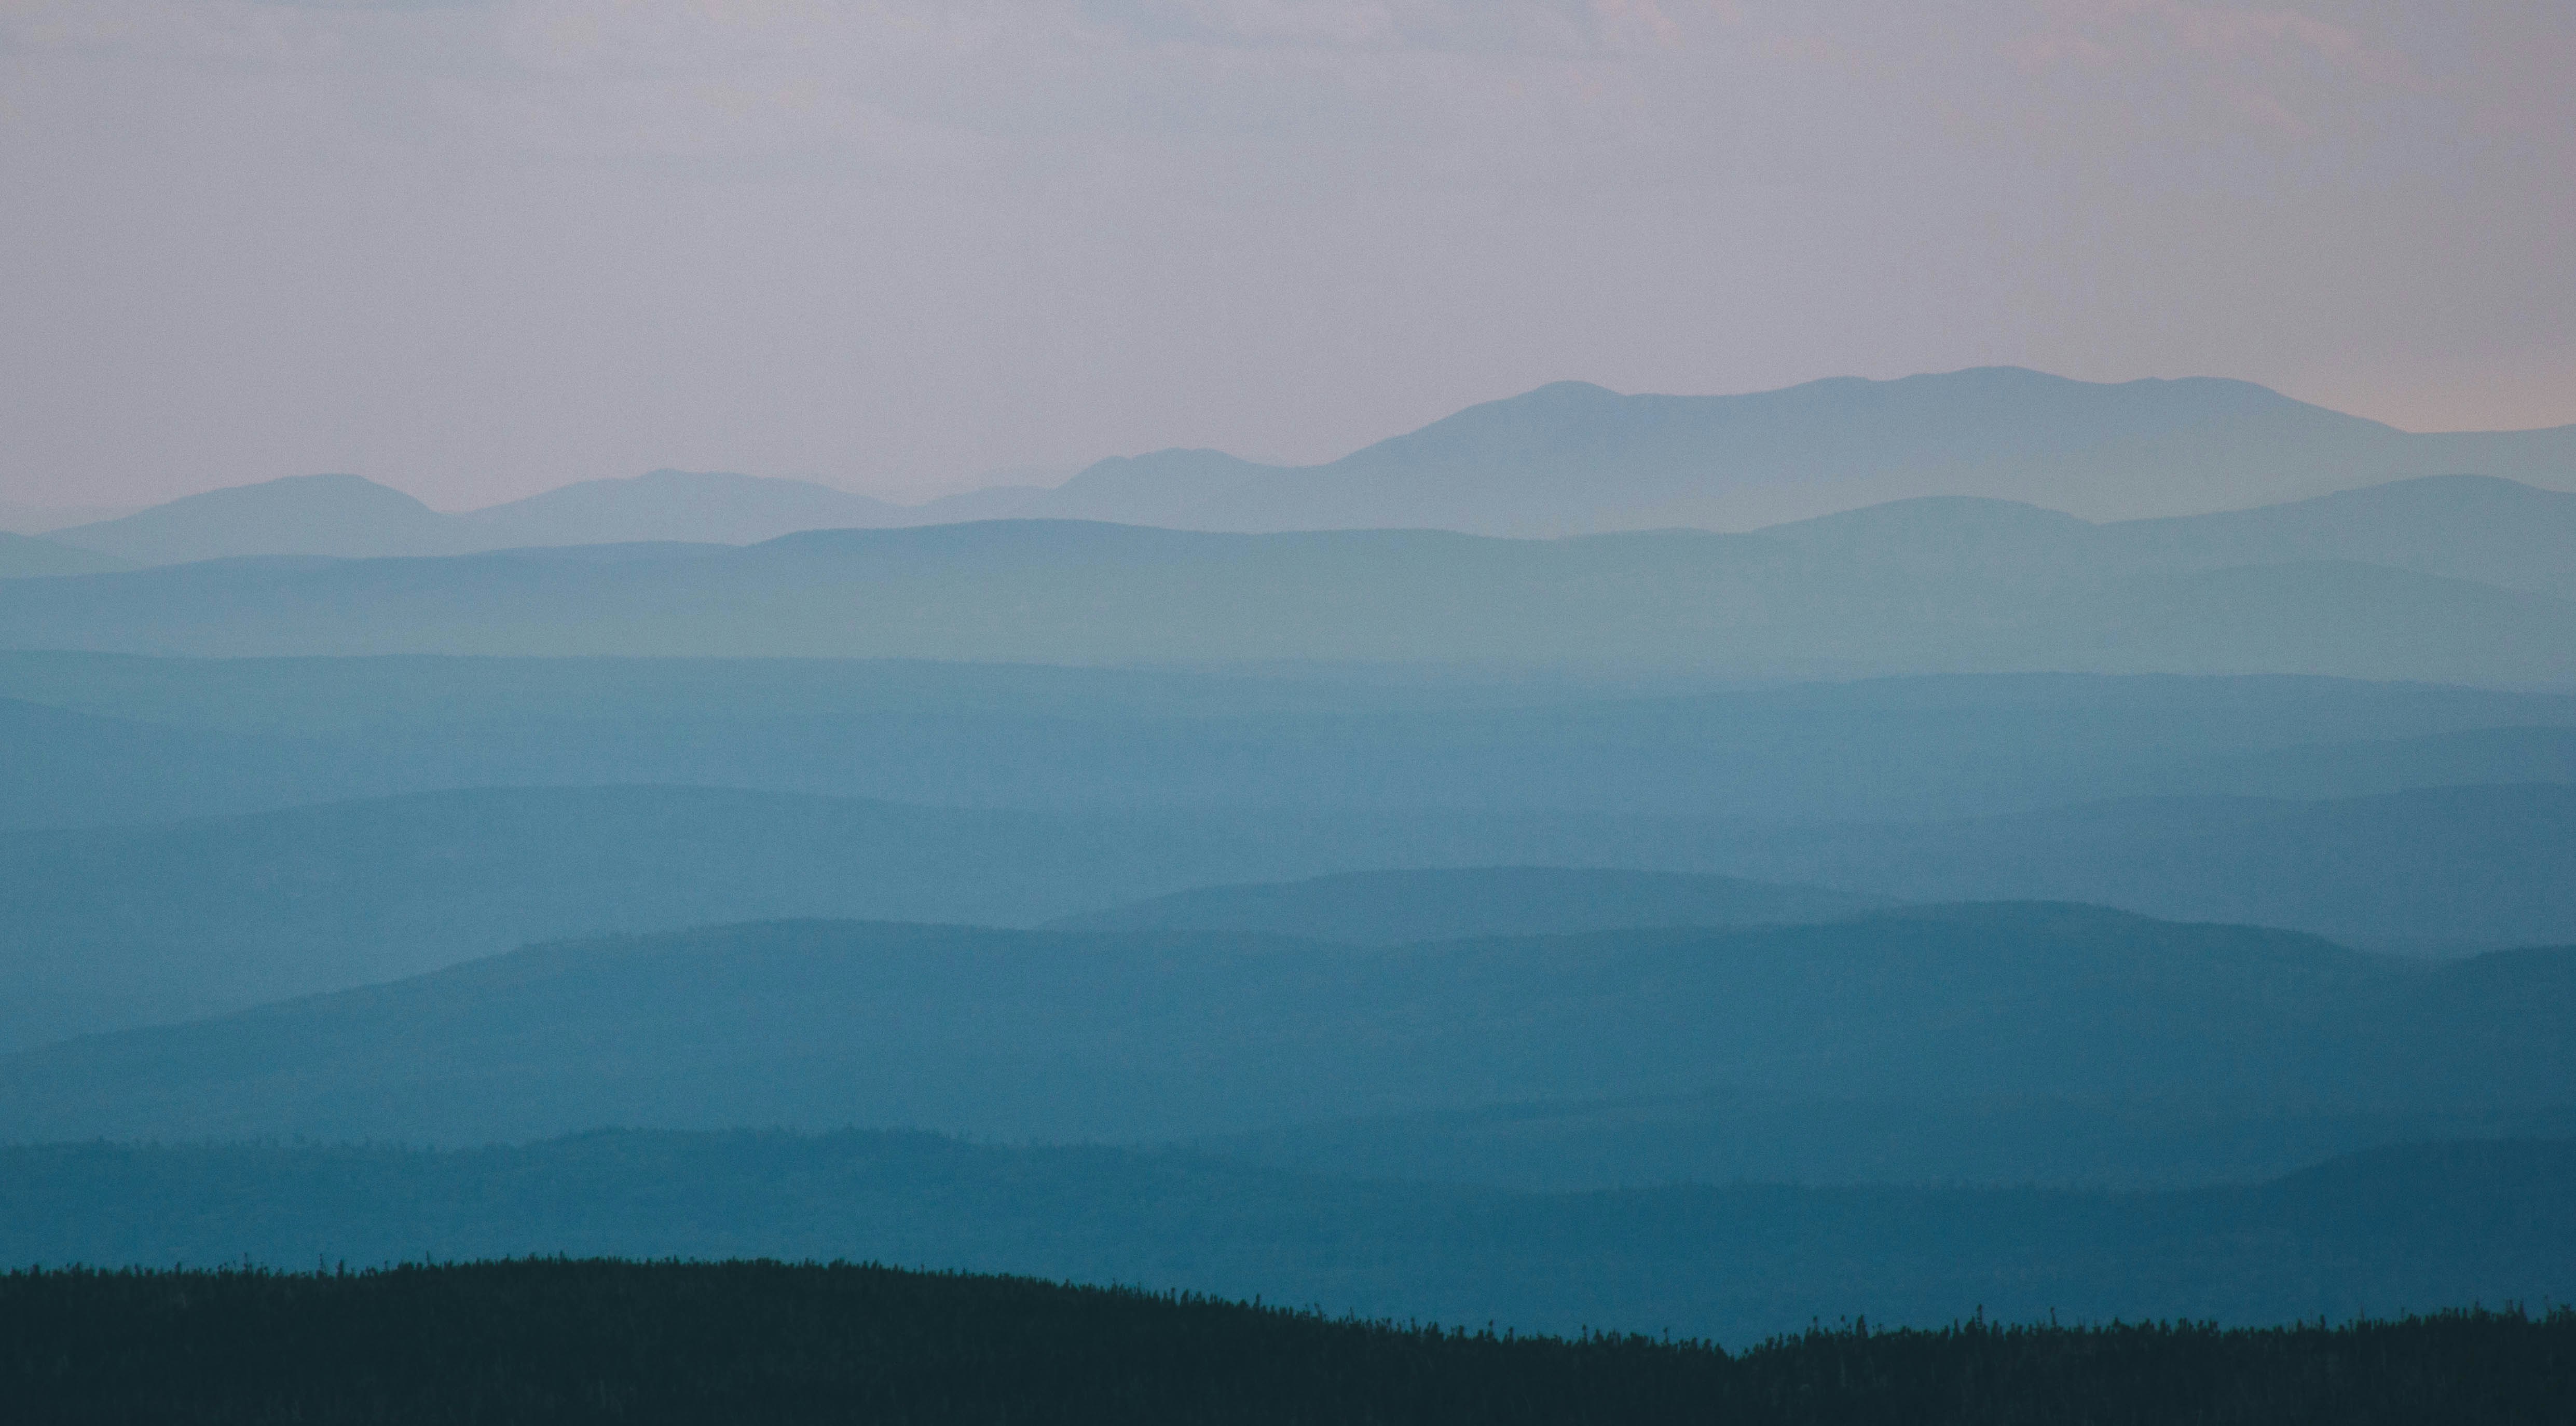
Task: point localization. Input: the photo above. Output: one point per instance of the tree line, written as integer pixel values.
(557, 1340)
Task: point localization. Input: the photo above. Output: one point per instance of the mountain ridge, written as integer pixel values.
(1565, 458)
(1898, 589)
(1089, 1036)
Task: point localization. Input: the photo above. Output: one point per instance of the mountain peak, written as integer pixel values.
(334, 514)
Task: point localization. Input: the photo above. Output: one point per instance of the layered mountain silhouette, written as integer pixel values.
(1574, 458)
(1394, 907)
(102, 928)
(339, 515)
(106, 739)
(2373, 584)
(1068, 1036)
(350, 517)
(677, 505)
(1564, 459)
(108, 927)
(27, 555)
(22, 556)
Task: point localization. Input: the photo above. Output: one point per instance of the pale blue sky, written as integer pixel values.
(475, 250)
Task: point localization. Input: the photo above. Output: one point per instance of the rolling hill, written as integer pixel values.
(1816, 602)
(25, 556)
(2433, 869)
(1032, 1035)
(1395, 907)
(116, 926)
(1572, 458)
(110, 738)
(2408, 1228)
(106, 927)
(674, 505)
(1565, 459)
(351, 517)
(346, 516)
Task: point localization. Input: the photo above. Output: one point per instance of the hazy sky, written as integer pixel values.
(475, 250)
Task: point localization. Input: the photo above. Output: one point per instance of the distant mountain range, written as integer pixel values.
(2446, 579)
(1572, 458)
(1562, 460)
(346, 516)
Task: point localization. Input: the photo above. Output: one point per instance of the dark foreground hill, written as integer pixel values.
(1139, 1036)
(510, 1342)
(2410, 1228)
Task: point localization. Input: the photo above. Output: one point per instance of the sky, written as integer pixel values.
(482, 248)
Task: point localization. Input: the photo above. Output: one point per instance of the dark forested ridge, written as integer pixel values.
(2400, 1228)
(558, 1341)
(573, 1341)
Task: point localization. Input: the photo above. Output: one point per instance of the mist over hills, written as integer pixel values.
(2477, 528)
(1565, 459)
(1056, 1036)
(352, 517)
(2392, 1230)
(676, 505)
(1825, 600)
(2430, 869)
(2439, 870)
(103, 739)
(25, 556)
(1380, 850)
(111, 927)
(22, 518)
(1395, 907)
(1572, 458)
(339, 515)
